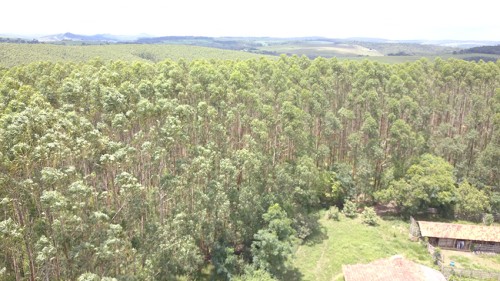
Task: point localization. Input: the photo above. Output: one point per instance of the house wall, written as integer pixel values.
(433, 241)
(480, 246)
(486, 247)
(455, 244)
(446, 243)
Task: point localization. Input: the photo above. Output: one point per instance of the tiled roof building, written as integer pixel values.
(462, 237)
(460, 231)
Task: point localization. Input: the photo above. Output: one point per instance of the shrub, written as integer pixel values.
(488, 219)
(89, 277)
(333, 213)
(437, 255)
(251, 273)
(304, 225)
(350, 209)
(370, 216)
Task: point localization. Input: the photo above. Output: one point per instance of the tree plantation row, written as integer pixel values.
(140, 171)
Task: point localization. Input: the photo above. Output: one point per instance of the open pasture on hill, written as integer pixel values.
(16, 54)
(322, 49)
(12, 54)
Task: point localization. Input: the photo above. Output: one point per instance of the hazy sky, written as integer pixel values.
(391, 19)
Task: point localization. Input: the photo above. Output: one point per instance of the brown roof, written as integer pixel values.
(395, 268)
(460, 231)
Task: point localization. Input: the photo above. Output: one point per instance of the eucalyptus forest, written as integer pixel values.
(114, 170)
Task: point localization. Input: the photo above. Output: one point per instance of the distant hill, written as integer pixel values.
(68, 36)
(147, 39)
(491, 50)
(460, 43)
(74, 37)
(166, 39)
(378, 49)
(18, 40)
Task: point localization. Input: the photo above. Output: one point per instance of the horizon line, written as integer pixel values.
(146, 35)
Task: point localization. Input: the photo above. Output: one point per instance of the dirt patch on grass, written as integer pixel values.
(389, 209)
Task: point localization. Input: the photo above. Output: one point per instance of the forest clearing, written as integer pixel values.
(349, 241)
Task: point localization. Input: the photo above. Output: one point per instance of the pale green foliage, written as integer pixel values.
(176, 251)
(94, 277)
(487, 168)
(272, 246)
(304, 225)
(53, 199)
(341, 184)
(135, 170)
(350, 209)
(252, 274)
(9, 228)
(369, 216)
(437, 254)
(471, 202)
(333, 213)
(89, 277)
(45, 250)
(488, 219)
(428, 183)
(338, 192)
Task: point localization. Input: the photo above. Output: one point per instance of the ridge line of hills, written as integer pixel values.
(146, 47)
(147, 39)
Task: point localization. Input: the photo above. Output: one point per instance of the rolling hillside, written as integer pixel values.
(232, 48)
(16, 54)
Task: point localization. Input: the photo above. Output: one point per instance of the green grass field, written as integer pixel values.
(323, 50)
(472, 261)
(16, 54)
(403, 59)
(349, 242)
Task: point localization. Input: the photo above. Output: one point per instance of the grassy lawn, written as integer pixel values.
(472, 261)
(349, 241)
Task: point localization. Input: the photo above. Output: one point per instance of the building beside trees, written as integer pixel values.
(462, 237)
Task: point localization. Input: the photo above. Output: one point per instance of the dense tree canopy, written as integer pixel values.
(140, 171)
(427, 184)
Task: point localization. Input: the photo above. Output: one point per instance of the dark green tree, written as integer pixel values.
(272, 246)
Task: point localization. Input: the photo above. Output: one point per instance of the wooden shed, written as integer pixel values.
(461, 237)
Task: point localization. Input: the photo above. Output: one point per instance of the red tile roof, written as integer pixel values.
(395, 268)
(460, 231)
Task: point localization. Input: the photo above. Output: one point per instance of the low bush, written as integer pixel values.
(350, 209)
(370, 216)
(488, 219)
(334, 213)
